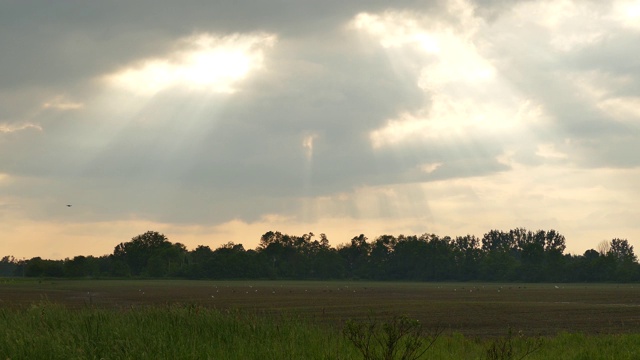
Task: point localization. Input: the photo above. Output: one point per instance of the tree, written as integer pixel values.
(285, 256)
(554, 242)
(626, 267)
(229, 261)
(621, 250)
(81, 266)
(408, 260)
(8, 266)
(467, 255)
(379, 257)
(589, 266)
(532, 256)
(554, 259)
(499, 262)
(603, 247)
(200, 261)
(48, 268)
(137, 253)
(438, 257)
(356, 256)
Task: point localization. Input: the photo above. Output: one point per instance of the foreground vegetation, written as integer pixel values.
(49, 331)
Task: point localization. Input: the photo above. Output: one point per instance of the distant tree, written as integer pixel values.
(271, 237)
(496, 241)
(531, 248)
(200, 262)
(356, 256)
(626, 266)
(500, 260)
(554, 259)
(38, 267)
(621, 250)
(82, 266)
(279, 253)
(229, 261)
(380, 256)
(8, 266)
(328, 264)
(518, 254)
(150, 253)
(589, 267)
(603, 247)
(408, 260)
(554, 242)
(324, 262)
(439, 258)
(467, 256)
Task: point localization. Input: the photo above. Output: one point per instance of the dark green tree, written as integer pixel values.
(380, 256)
(408, 259)
(82, 266)
(38, 267)
(626, 266)
(8, 266)
(151, 254)
(467, 256)
(200, 262)
(356, 257)
(500, 258)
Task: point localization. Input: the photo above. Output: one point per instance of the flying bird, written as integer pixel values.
(68, 205)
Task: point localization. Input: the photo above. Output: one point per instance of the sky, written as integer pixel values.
(217, 121)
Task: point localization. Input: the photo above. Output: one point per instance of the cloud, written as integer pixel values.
(627, 13)
(62, 104)
(9, 128)
(202, 62)
(351, 115)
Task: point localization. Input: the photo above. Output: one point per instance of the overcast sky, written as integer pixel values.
(217, 121)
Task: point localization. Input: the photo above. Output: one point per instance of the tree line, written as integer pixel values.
(514, 255)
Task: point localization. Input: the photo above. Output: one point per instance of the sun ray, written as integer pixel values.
(204, 62)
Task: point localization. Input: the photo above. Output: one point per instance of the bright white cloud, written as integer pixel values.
(201, 62)
(307, 145)
(9, 128)
(431, 167)
(467, 97)
(627, 13)
(461, 71)
(63, 104)
(567, 25)
(550, 151)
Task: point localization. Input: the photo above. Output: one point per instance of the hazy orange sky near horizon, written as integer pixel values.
(217, 122)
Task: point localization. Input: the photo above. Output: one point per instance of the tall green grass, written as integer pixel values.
(50, 331)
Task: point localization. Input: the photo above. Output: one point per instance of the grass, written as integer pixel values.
(118, 319)
(49, 331)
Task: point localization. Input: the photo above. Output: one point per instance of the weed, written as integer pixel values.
(400, 338)
(504, 348)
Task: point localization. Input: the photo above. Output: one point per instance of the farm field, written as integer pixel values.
(471, 309)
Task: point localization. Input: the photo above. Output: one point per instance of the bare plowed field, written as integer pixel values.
(473, 309)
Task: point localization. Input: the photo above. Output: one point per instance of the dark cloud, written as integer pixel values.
(186, 156)
(63, 42)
